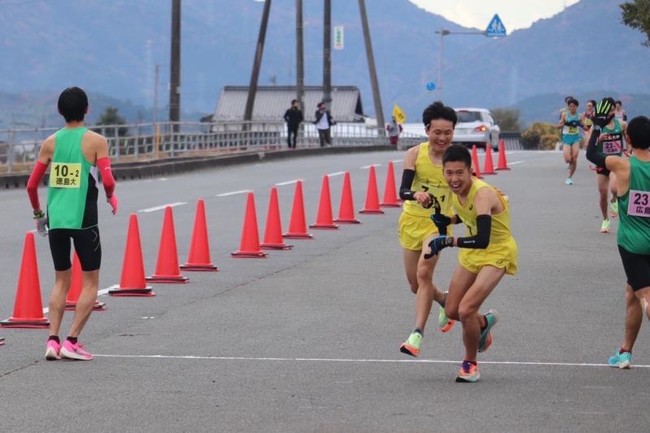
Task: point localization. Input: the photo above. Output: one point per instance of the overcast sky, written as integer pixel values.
(515, 14)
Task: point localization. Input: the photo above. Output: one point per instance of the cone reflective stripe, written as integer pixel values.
(28, 306)
(298, 222)
(132, 281)
(76, 284)
(346, 208)
(324, 219)
(167, 269)
(372, 195)
(250, 238)
(488, 167)
(475, 164)
(503, 162)
(273, 231)
(390, 193)
(199, 256)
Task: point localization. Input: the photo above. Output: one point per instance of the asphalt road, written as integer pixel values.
(307, 340)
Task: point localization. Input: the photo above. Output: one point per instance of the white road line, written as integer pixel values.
(289, 182)
(371, 165)
(99, 293)
(336, 173)
(226, 194)
(347, 360)
(162, 207)
(516, 162)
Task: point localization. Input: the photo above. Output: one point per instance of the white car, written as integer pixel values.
(476, 126)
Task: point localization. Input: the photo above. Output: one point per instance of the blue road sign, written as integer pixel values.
(431, 86)
(496, 27)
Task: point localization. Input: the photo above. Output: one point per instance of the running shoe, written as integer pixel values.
(568, 181)
(468, 373)
(75, 351)
(412, 345)
(613, 208)
(620, 360)
(604, 227)
(486, 337)
(52, 350)
(444, 323)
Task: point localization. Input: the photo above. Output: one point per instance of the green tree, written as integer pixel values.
(507, 119)
(636, 14)
(110, 121)
(540, 135)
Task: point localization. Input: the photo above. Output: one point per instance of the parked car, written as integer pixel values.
(476, 126)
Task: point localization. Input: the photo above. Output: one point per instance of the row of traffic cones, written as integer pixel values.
(489, 165)
(28, 308)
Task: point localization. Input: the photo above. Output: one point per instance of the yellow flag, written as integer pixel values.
(399, 114)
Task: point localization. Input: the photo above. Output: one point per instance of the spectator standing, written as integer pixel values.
(324, 123)
(293, 116)
(394, 129)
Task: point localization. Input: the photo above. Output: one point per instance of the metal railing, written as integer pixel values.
(147, 141)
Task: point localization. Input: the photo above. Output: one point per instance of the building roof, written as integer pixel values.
(272, 101)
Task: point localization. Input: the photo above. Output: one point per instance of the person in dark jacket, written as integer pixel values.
(324, 122)
(293, 116)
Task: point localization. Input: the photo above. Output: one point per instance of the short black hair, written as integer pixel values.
(638, 129)
(73, 104)
(293, 101)
(436, 111)
(573, 101)
(457, 152)
(566, 99)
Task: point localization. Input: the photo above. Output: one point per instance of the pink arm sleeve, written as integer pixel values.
(32, 184)
(104, 165)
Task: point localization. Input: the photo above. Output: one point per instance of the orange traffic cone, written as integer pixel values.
(76, 283)
(390, 193)
(503, 162)
(132, 281)
(199, 255)
(28, 308)
(324, 216)
(167, 269)
(372, 195)
(273, 231)
(475, 164)
(250, 238)
(346, 208)
(298, 224)
(488, 167)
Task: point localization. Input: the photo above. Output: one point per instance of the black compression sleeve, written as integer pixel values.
(592, 152)
(405, 192)
(482, 238)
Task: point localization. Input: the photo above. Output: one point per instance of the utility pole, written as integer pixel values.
(300, 57)
(259, 51)
(175, 73)
(327, 52)
(379, 112)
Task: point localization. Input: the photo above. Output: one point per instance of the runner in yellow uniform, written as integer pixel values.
(487, 253)
(425, 192)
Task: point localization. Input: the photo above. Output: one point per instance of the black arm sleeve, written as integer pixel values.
(592, 153)
(405, 192)
(482, 238)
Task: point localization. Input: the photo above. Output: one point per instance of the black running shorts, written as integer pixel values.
(86, 244)
(637, 268)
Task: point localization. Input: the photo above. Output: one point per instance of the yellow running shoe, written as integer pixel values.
(412, 345)
(604, 227)
(613, 208)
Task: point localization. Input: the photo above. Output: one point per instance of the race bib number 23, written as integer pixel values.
(639, 204)
(65, 175)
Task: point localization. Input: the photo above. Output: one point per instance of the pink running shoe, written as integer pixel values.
(75, 351)
(52, 350)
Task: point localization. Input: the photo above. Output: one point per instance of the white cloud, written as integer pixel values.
(515, 14)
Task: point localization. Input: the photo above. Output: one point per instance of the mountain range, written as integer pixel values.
(113, 50)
